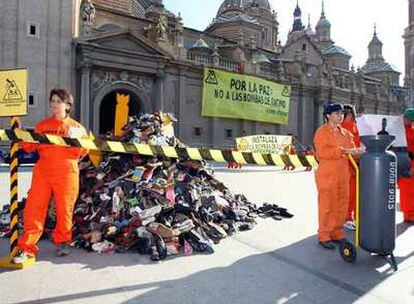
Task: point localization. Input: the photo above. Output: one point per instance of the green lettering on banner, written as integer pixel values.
(241, 96)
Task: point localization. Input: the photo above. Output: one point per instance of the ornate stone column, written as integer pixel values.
(85, 95)
(180, 102)
(159, 88)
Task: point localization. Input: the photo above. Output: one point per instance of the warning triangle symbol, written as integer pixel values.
(12, 91)
(211, 77)
(286, 91)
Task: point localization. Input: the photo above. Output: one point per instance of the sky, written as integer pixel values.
(352, 22)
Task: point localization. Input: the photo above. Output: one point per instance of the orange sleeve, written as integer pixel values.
(32, 147)
(79, 153)
(28, 147)
(325, 148)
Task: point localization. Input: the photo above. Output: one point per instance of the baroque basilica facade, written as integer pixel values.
(140, 48)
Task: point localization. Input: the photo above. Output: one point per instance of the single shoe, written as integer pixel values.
(162, 230)
(150, 212)
(154, 253)
(184, 227)
(62, 250)
(104, 247)
(340, 241)
(284, 213)
(160, 246)
(148, 220)
(327, 245)
(350, 225)
(277, 217)
(21, 257)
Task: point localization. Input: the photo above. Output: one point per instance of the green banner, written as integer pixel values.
(242, 96)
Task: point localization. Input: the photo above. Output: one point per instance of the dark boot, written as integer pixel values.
(327, 245)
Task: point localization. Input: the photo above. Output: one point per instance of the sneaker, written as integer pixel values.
(350, 225)
(62, 250)
(21, 257)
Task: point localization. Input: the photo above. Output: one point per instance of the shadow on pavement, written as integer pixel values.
(302, 272)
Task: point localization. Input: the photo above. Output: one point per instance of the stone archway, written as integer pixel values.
(108, 106)
(105, 104)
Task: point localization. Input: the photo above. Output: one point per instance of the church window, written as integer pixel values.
(32, 100)
(304, 47)
(32, 29)
(229, 133)
(197, 131)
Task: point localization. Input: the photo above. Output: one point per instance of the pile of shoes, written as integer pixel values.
(154, 205)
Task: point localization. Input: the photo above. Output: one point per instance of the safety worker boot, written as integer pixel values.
(327, 245)
(340, 241)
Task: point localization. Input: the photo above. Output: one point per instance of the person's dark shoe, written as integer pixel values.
(327, 245)
(62, 250)
(154, 253)
(277, 217)
(284, 213)
(340, 241)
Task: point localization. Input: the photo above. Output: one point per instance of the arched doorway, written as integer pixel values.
(108, 106)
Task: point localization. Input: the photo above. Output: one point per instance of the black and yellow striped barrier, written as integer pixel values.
(14, 203)
(14, 165)
(216, 155)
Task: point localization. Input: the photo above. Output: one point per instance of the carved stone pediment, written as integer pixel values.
(100, 78)
(126, 41)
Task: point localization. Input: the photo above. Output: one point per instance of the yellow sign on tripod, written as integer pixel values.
(13, 92)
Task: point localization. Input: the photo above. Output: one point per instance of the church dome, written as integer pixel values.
(227, 4)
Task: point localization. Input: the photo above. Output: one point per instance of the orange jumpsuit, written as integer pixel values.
(406, 184)
(332, 180)
(55, 173)
(351, 126)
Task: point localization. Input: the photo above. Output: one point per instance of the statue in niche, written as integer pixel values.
(88, 11)
(161, 27)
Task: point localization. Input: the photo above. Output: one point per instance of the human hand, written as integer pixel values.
(411, 172)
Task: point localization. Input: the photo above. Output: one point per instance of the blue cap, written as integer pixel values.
(333, 107)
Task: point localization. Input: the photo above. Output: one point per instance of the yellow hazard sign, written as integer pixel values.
(13, 92)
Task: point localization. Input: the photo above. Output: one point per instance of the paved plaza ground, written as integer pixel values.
(277, 262)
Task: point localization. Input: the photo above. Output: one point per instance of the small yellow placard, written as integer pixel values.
(13, 92)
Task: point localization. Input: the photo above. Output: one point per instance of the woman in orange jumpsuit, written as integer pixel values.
(349, 123)
(56, 173)
(332, 144)
(406, 184)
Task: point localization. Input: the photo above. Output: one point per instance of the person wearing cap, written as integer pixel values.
(406, 184)
(56, 173)
(349, 123)
(332, 144)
